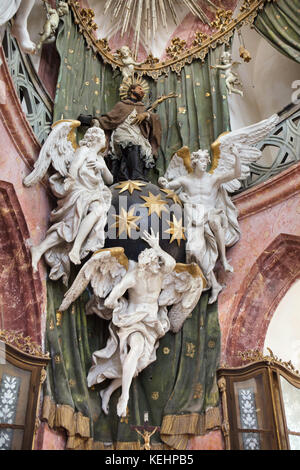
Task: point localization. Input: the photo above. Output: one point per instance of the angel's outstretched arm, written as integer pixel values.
(168, 262)
(236, 171)
(77, 161)
(119, 290)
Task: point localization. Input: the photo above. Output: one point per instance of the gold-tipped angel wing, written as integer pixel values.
(181, 290)
(104, 270)
(242, 142)
(58, 150)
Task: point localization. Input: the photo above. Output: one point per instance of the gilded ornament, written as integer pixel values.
(154, 204)
(190, 350)
(199, 38)
(254, 355)
(172, 195)
(155, 395)
(198, 391)
(126, 221)
(176, 48)
(166, 350)
(176, 230)
(130, 186)
(58, 318)
(245, 54)
(23, 343)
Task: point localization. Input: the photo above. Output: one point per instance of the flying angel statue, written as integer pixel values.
(137, 323)
(83, 200)
(211, 219)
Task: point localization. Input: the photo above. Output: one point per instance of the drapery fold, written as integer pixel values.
(279, 24)
(178, 393)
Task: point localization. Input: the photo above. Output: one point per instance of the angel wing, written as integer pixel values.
(180, 164)
(181, 289)
(58, 150)
(103, 270)
(243, 142)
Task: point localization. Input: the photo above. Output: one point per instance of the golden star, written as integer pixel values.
(130, 186)
(172, 195)
(125, 222)
(176, 230)
(154, 204)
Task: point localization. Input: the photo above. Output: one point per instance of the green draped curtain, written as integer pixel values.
(178, 392)
(279, 24)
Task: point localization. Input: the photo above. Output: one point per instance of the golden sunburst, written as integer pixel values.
(155, 204)
(176, 230)
(172, 195)
(130, 186)
(126, 221)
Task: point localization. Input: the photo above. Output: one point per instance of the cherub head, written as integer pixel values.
(148, 261)
(226, 57)
(124, 51)
(94, 137)
(200, 160)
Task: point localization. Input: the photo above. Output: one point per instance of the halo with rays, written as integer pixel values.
(132, 81)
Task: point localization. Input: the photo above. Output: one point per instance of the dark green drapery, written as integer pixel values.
(178, 391)
(279, 24)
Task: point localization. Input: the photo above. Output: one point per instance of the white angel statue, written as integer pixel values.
(21, 9)
(80, 217)
(231, 77)
(125, 55)
(210, 215)
(139, 321)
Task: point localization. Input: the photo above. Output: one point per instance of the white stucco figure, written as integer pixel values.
(210, 215)
(231, 77)
(125, 55)
(137, 321)
(52, 21)
(83, 200)
(21, 9)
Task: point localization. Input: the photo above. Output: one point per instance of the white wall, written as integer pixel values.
(267, 80)
(283, 335)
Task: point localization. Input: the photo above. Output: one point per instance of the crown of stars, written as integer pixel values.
(126, 221)
(176, 230)
(155, 204)
(172, 195)
(130, 186)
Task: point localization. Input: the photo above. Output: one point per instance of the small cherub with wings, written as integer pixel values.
(231, 77)
(210, 216)
(139, 321)
(78, 183)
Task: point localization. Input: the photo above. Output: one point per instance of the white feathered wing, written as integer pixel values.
(58, 150)
(181, 290)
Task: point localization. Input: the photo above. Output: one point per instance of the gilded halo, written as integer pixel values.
(130, 81)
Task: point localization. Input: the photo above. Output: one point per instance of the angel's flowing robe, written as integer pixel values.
(148, 319)
(73, 206)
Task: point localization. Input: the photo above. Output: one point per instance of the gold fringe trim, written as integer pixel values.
(176, 430)
(76, 425)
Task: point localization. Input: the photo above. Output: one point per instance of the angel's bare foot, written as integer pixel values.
(122, 407)
(214, 293)
(21, 34)
(105, 399)
(35, 258)
(74, 256)
(227, 266)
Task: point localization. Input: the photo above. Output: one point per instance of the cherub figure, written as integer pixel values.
(210, 216)
(231, 77)
(52, 22)
(138, 320)
(125, 55)
(83, 199)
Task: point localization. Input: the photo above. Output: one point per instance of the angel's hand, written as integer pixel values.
(151, 239)
(163, 182)
(140, 118)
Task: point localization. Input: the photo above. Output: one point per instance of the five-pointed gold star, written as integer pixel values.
(130, 186)
(155, 204)
(172, 195)
(176, 230)
(125, 222)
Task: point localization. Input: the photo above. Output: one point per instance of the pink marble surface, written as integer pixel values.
(211, 441)
(48, 439)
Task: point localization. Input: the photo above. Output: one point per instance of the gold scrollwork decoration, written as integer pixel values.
(23, 343)
(224, 26)
(254, 355)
